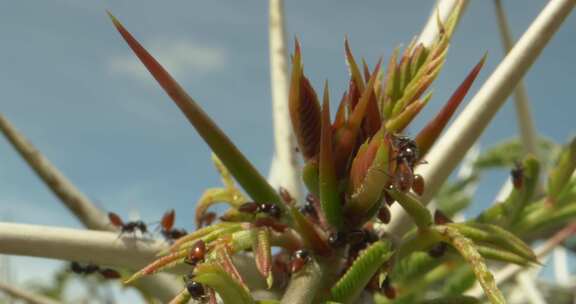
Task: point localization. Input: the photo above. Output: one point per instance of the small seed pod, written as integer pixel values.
(299, 259)
(388, 198)
(250, 207)
(384, 214)
(418, 184)
(197, 253)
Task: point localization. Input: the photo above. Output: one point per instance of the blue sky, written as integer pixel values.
(72, 86)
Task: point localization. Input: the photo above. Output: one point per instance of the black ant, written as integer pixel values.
(517, 175)
(309, 207)
(340, 238)
(407, 157)
(167, 224)
(107, 273)
(266, 208)
(129, 227)
(195, 289)
(299, 259)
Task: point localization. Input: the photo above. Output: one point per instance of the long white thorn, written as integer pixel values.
(523, 114)
(284, 170)
(450, 148)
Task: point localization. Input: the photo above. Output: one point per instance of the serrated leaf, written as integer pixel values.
(468, 251)
(353, 282)
(346, 137)
(304, 109)
(428, 135)
(247, 176)
(224, 260)
(157, 265)
(330, 202)
(560, 175)
(502, 255)
(263, 253)
(369, 170)
(496, 236)
(229, 290)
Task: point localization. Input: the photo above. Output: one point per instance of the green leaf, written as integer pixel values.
(372, 177)
(468, 251)
(304, 109)
(263, 254)
(560, 175)
(227, 288)
(329, 195)
(249, 178)
(353, 282)
(496, 236)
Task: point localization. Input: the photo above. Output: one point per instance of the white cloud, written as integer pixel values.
(181, 57)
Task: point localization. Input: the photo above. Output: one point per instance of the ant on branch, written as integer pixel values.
(107, 273)
(167, 223)
(129, 227)
(266, 208)
(517, 174)
(299, 259)
(195, 289)
(406, 159)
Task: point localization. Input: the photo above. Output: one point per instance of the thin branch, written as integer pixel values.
(442, 9)
(162, 287)
(469, 125)
(26, 296)
(525, 123)
(87, 246)
(541, 251)
(99, 247)
(72, 197)
(284, 170)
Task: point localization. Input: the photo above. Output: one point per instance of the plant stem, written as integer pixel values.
(102, 248)
(284, 170)
(78, 203)
(26, 296)
(304, 285)
(469, 125)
